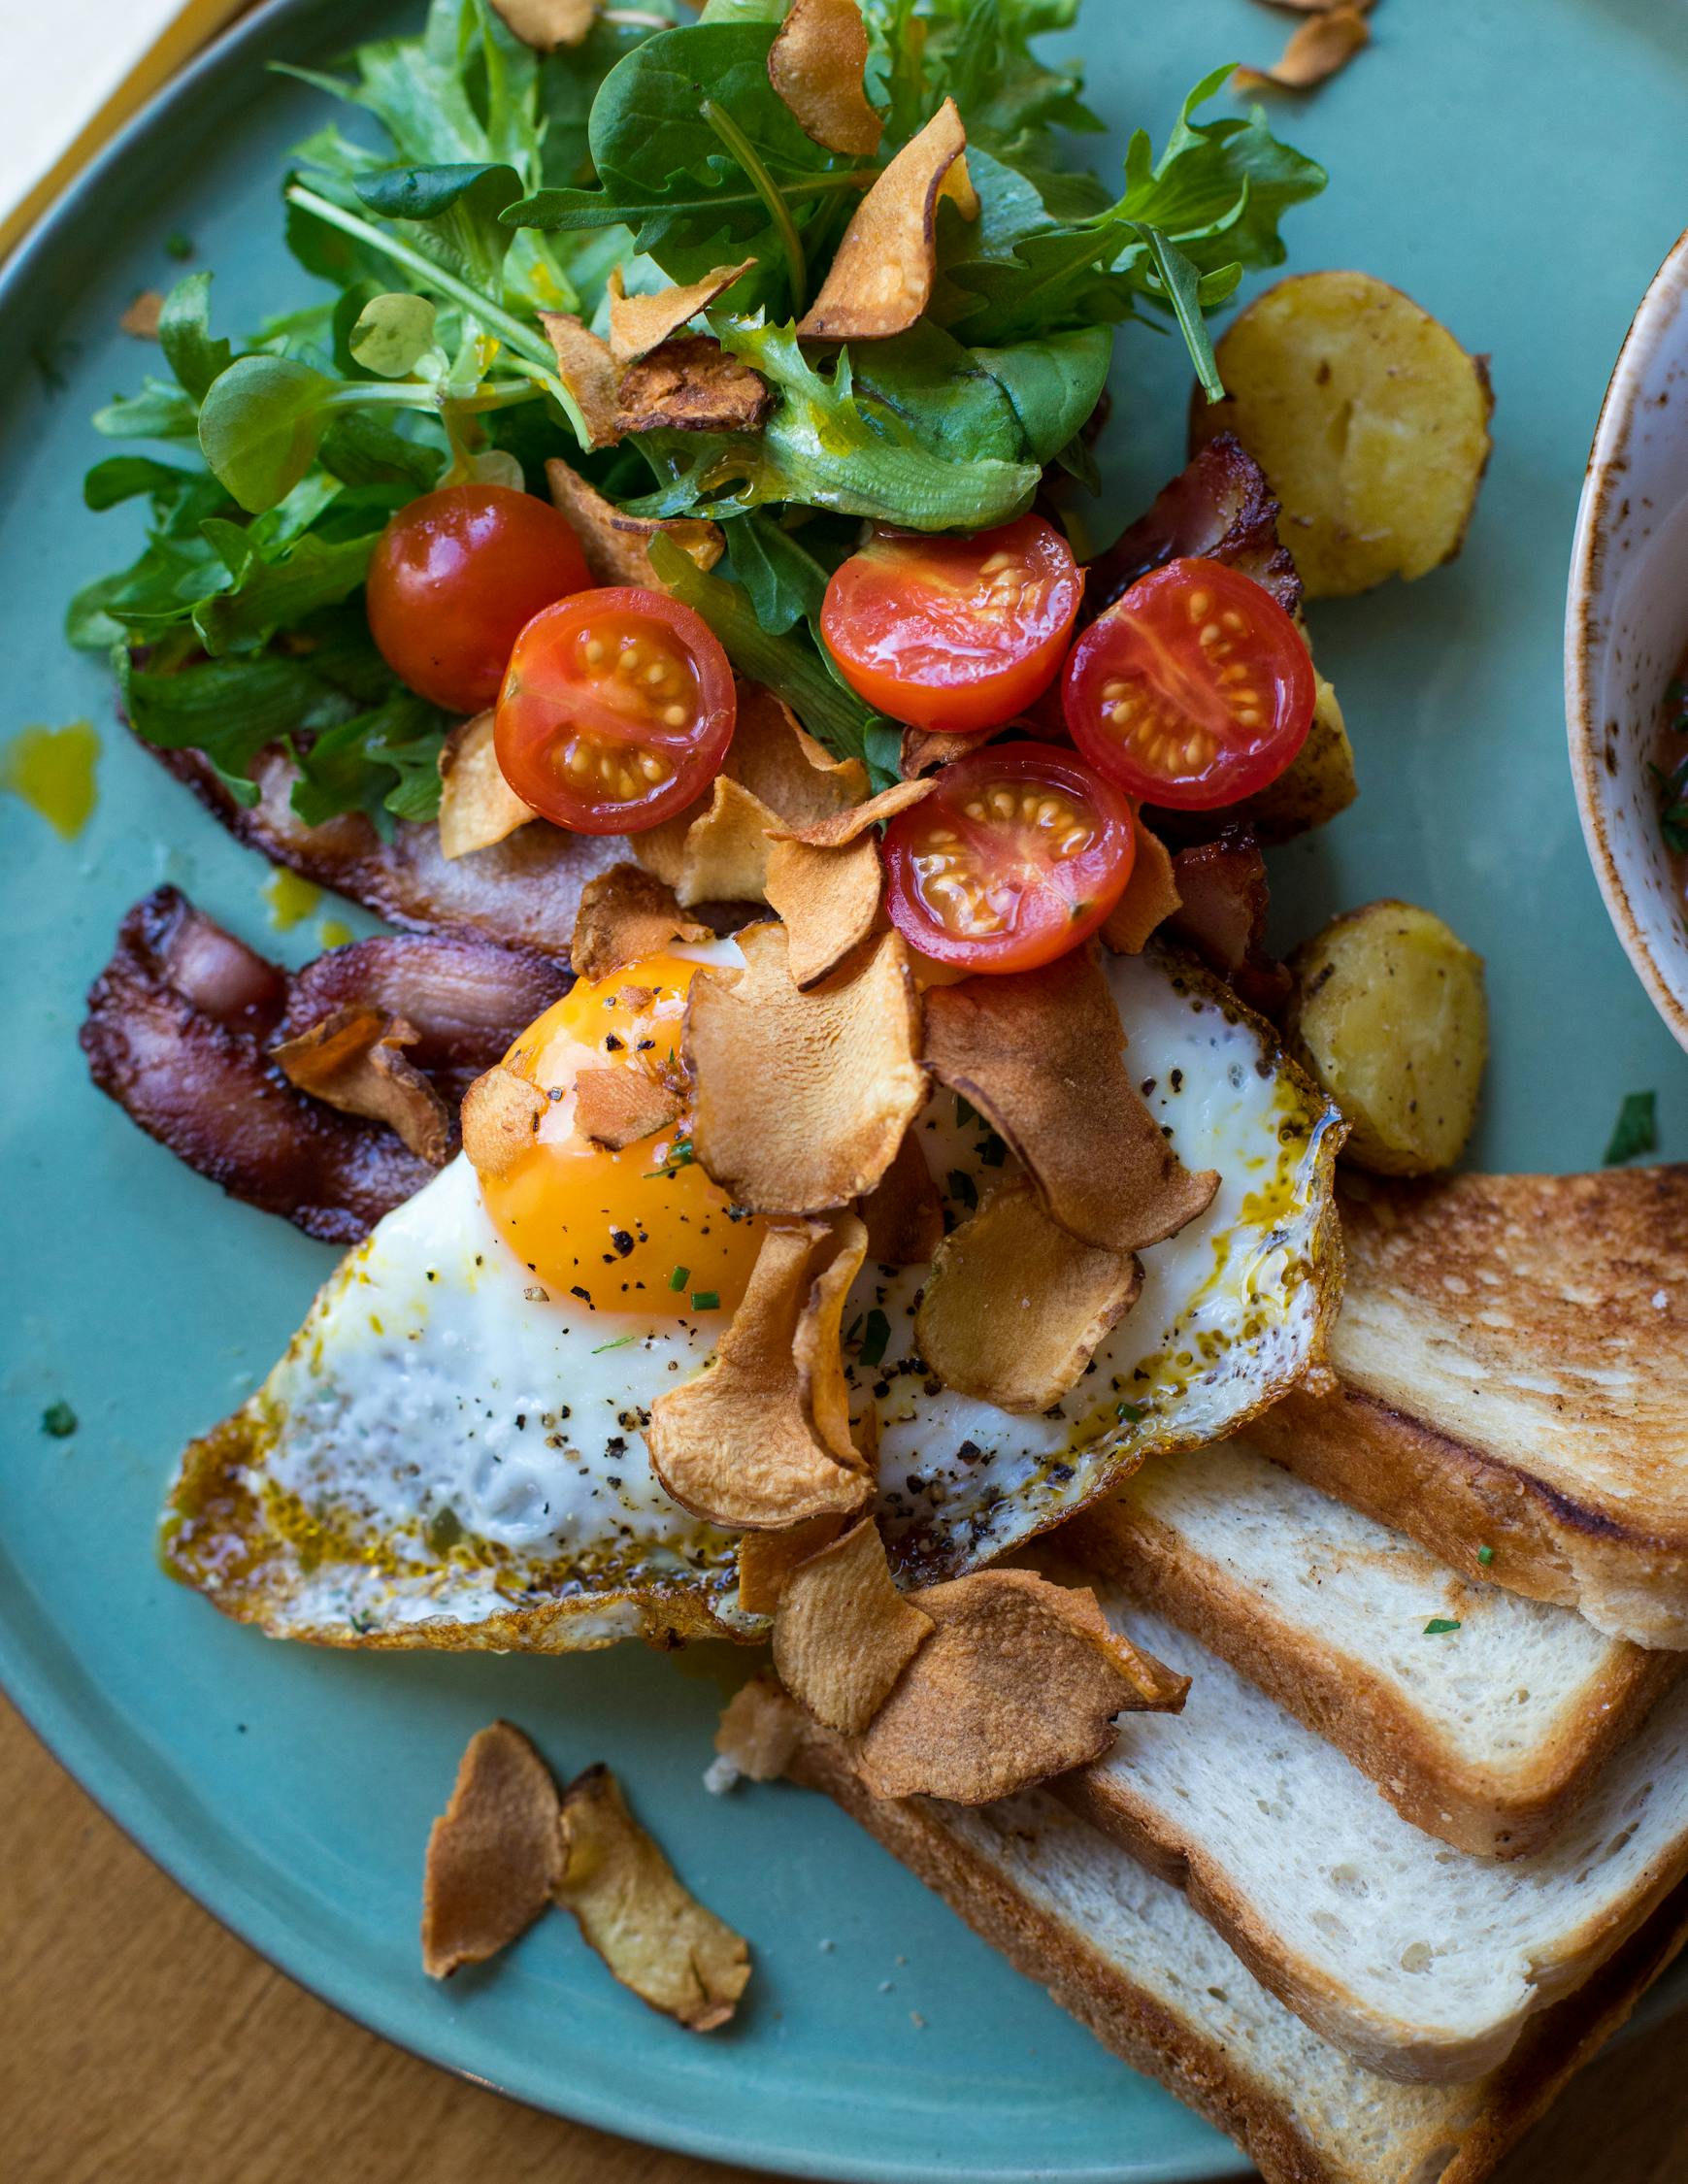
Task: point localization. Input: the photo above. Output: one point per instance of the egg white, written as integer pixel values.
(447, 1455)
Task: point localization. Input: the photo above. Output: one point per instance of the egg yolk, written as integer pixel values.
(642, 1230)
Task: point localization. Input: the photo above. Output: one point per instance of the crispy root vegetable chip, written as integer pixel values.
(589, 372)
(1318, 47)
(781, 763)
(842, 1634)
(839, 829)
(924, 749)
(546, 24)
(141, 317)
(1040, 1055)
(767, 1559)
(691, 384)
(617, 1107)
(803, 1097)
(758, 1730)
(828, 898)
(882, 278)
(626, 914)
(617, 546)
(815, 66)
(494, 1855)
(351, 1059)
(1150, 898)
(1014, 1306)
(903, 1213)
(639, 324)
(633, 1909)
(500, 1112)
(477, 807)
(716, 851)
(739, 1443)
(1020, 1680)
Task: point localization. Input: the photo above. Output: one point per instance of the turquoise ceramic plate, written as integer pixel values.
(1523, 184)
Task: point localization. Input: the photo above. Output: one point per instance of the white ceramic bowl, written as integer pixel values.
(1626, 628)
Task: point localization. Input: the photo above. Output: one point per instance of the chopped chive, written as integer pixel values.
(178, 246)
(961, 1185)
(1636, 1130)
(59, 1420)
(1485, 1555)
(853, 1329)
(875, 1334)
(1134, 1413)
(964, 1113)
(680, 1157)
(992, 1150)
(706, 1300)
(679, 1277)
(1440, 1626)
(621, 1342)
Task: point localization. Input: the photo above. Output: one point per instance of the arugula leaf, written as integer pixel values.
(260, 427)
(385, 763)
(785, 584)
(392, 334)
(159, 411)
(361, 451)
(1054, 384)
(1636, 1130)
(464, 198)
(229, 709)
(275, 595)
(186, 338)
(120, 477)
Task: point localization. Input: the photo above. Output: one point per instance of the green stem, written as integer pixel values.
(524, 340)
(779, 211)
(413, 395)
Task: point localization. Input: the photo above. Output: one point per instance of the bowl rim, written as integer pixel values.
(1659, 309)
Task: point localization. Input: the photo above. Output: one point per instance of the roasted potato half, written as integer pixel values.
(1371, 423)
(1316, 787)
(1389, 1014)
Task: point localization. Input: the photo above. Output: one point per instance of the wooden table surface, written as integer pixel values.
(141, 2043)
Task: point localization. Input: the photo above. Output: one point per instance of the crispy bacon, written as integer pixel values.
(179, 1028)
(523, 892)
(1222, 913)
(1218, 507)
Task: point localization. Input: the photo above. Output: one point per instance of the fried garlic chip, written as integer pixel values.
(352, 1060)
(501, 1112)
(617, 546)
(904, 1212)
(1316, 50)
(477, 807)
(626, 914)
(815, 66)
(639, 324)
(802, 1099)
(1150, 898)
(758, 1730)
(143, 315)
(1020, 1680)
(1040, 1055)
(589, 373)
(1014, 1307)
(691, 384)
(633, 1909)
(882, 278)
(546, 24)
(752, 1441)
(844, 1634)
(767, 1559)
(829, 900)
(494, 1855)
(616, 1108)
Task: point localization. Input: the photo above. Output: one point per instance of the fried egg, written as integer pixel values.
(451, 1452)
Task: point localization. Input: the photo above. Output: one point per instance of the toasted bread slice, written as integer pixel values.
(1489, 1735)
(1420, 1961)
(1512, 1359)
(1126, 1955)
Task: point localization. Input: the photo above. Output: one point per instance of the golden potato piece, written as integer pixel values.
(1390, 1017)
(1371, 423)
(1318, 785)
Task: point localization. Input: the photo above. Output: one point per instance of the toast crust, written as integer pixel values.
(1483, 2122)
(1455, 1794)
(1512, 1360)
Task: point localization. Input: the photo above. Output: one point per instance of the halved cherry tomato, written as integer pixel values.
(617, 710)
(1017, 855)
(959, 634)
(1194, 689)
(454, 578)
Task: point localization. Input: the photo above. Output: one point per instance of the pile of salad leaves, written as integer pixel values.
(496, 183)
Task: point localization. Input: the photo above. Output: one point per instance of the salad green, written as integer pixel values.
(497, 185)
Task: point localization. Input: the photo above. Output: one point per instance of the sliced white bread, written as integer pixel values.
(1511, 1360)
(1418, 1960)
(1126, 1955)
(1489, 1735)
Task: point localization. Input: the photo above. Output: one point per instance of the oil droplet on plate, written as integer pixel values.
(291, 900)
(53, 771)
(335, 932)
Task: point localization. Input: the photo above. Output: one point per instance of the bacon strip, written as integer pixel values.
(179, 1028)
(1222, 903)
(1220, 507)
